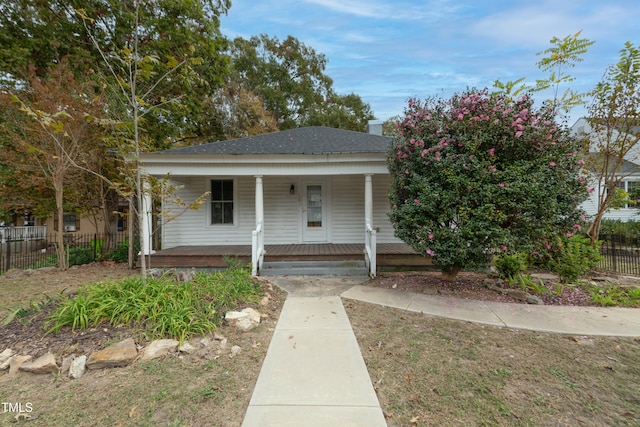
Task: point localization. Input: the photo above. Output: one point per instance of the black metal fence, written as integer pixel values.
(81, 249)
(621, 253)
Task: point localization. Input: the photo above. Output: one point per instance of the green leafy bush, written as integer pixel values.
(574, 257)
(482, 171)
(162, 307)
(511, 265)
(81, 256)
(615, 296)
(615, 226)
(121, 252)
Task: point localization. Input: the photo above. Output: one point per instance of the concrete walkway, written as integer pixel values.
(622, 322)
(314, 374)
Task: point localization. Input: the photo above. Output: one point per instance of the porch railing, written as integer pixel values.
(257, 250)
(29, 232)
(370, 250)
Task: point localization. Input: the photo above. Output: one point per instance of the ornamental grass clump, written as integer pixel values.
(481, 175)
(161, 308)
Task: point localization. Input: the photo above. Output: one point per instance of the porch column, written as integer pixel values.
(257, 236)
(368, 200)
(369, 232)
(145, 211)
(259, 202)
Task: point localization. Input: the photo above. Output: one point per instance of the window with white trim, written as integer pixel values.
(222, 202)
(632, 188)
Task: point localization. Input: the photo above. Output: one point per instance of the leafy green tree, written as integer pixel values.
(614, 134)
(36, 35)
(287, 74)
(390, 126)
(237, 112)
(563, 54)
(54, 128)
(290, 78)
(342, 112)
(481, 174)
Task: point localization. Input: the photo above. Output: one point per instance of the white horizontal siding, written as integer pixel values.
(347, 214)
(381, 208)
(348, 209)
(193, 227)
(282, 212)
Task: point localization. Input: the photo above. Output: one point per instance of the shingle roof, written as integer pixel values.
(306, 140)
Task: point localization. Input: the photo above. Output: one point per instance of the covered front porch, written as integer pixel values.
(390, 256)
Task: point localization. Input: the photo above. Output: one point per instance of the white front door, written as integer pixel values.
(314, 212)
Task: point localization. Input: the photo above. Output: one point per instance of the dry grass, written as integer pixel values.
(427, 371)
(431, 371)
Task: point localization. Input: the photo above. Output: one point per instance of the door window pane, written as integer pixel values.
(314, 206)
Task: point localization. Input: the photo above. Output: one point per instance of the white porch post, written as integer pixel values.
(369, 232)
(145, 211)
(368, 200)
(257, 237)
(259, 202)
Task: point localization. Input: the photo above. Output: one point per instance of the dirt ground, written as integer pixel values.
(427, 371)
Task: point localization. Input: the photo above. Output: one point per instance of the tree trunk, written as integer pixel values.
(62, 255)
(451, 274)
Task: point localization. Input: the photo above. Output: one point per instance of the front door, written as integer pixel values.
(314, 212)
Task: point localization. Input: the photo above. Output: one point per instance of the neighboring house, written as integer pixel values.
(25, 226)
(630, 174)
(311, 191)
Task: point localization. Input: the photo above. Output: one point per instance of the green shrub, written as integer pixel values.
(121, 252)
(512, 265)
(615, 226)
(81, 256)
(574, 258)
(615, 296)
(162, 307)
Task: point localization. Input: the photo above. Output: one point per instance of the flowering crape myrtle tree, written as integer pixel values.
(481, 174)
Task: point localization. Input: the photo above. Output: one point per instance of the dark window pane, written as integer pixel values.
(228, 213)
(222, 201)
(227, 190)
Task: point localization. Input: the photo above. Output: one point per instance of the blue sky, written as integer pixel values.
(388, 51)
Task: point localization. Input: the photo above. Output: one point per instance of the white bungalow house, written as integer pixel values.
(629, 174)
(311, 193)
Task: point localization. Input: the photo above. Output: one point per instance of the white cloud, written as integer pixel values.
(390, 10)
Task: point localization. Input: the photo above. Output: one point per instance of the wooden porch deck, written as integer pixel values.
(389, 255)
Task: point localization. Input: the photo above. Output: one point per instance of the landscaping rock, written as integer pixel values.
(223, 343)
(16, 362)
(45, 364)
(244, 320)
(66, 364)
(78, 367)
(535, 300)
(253, 314)
(235, 350)
(155, 273)
(186, 275)
(5, 358)
(516, 293)
(186, 348)
(120, 354)
(159, 348)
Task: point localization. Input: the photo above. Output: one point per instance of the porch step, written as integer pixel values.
(314, 268)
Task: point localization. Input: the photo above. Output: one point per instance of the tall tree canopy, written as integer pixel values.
(37, 35)
(290, 78)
